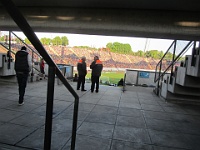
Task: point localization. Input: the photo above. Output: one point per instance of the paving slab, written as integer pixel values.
(36, 140)
(30, 120)
(8, 115)
(151, 107)
(170, 139)
(131, 121)
(131, 134)
(101, 118)
(130, 112)
(96, 129)
(109, 120)
(105, 109)
(123, 145)
(13, 133)
(90, 143)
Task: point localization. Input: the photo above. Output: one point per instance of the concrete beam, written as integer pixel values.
(112, 22)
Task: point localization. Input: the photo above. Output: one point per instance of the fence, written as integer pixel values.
(139, 77)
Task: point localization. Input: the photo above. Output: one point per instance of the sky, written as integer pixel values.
(101, 41)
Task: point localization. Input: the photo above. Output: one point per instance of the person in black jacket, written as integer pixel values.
(23, 66)
(96, 67)
(82, 71)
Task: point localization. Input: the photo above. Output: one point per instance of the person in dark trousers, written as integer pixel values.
(97, 68)
(82, 71)
(23, 66)
(42, 67)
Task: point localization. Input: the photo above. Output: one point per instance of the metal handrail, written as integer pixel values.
(173, 61)
(33, 50)
(28, 31)
(7, 48)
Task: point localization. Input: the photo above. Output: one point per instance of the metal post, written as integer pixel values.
(74, 128)
(9, 41)
(193, 53)
(172, 69)
(49, 108)
(137, 78)
(32, 67)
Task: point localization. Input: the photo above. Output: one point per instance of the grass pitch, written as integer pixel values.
(112, 77)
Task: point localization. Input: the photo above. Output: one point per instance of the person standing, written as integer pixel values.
(42, 67)
(23, 66)
(97, 68)
(82, 71)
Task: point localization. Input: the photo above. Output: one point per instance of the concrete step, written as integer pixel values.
(178, 89)
(186, 80)
(8, 79)
(184, 99)
(193, 70)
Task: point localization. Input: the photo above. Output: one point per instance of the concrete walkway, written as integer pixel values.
(108, 120)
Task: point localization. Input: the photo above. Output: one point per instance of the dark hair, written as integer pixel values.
(23, 48)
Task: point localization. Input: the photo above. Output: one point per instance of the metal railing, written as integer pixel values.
(14, 47)
(166, 63)
(53, 69)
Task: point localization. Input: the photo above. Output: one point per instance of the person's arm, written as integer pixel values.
(92, 65)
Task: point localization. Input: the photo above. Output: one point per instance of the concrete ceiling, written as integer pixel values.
(171, 19)
(177, 5)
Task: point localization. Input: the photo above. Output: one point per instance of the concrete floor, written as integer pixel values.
(108, 120)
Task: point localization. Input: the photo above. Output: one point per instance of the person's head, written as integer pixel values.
(23, 48)
(96, 58)
(83, 58)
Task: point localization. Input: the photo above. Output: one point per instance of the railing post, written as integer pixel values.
(193, 53)
(172, 69)
(32, 67)
(9, 39)
(136, 84)
(74, 127)
(49, 108)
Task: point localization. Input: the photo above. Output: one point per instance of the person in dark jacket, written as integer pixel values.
(82, 71)
(23, 66)
(97, 68)
(42, 67)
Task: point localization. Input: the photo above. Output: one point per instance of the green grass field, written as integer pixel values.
(112, 77)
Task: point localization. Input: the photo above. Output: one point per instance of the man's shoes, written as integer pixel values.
(77, 89)
(97, 91)
(20, 104)
(92, 91)
(83, 90)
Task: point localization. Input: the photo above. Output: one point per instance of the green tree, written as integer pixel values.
(140, 53)
(45, 41)
(160, 54)
(148, 54)
(117, 47)
(64, 40)
(56, 41)
(27, 41)
(2, 38)
(169, 56)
